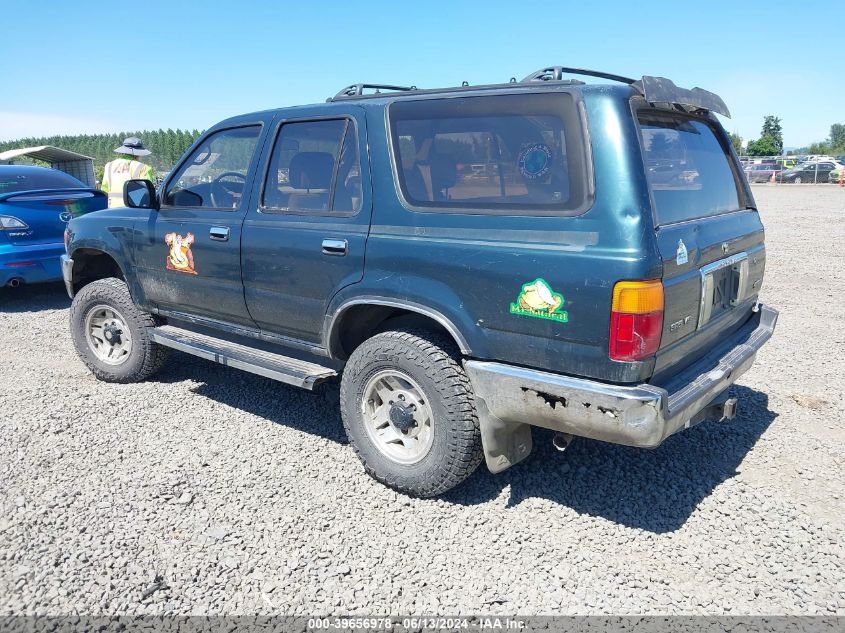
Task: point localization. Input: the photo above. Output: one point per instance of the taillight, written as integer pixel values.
(7, 222)
(636, 319)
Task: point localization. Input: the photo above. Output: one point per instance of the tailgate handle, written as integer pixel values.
(219, 233)
(335, 247)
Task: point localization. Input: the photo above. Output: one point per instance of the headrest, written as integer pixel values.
(444, 170)
(311, 170)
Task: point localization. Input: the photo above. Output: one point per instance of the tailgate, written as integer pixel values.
(714, 292)
(46, 212)
(711, 242)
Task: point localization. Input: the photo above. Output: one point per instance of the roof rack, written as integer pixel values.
(357, 90)
(655, 90)
(555, 73)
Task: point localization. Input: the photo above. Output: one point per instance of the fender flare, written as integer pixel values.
(99, 250)
(411, 306)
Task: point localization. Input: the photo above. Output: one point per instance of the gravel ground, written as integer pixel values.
(208, 490)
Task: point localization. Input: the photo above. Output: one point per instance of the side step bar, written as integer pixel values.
(291, 371)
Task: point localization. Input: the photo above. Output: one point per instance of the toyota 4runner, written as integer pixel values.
(471, 261)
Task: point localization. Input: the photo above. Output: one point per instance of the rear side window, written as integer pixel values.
(13, 180)
(689, 169)
(315, 168)
(497, 154)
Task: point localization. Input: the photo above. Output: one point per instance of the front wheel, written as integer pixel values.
(111, 333)
(798, 180)
(409, 412)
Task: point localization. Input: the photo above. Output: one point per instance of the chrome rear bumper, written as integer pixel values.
(510, 398)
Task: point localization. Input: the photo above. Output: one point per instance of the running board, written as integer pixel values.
(291, 371)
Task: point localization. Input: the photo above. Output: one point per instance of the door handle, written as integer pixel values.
(220, 233)
(335, 247)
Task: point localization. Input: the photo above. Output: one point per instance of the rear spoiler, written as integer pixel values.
(35, 195)
(654, 89)
(662, 90)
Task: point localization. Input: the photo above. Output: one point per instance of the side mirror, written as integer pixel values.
(140, 194)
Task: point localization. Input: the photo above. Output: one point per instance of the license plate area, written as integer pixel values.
(724, 284)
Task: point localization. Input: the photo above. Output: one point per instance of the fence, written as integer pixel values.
(789, 170)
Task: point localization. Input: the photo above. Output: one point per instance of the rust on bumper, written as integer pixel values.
(512, 398)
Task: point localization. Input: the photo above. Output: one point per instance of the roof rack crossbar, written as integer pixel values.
(555, 73)
(357, 90)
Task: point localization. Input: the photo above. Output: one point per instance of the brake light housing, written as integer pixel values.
(9, 223)
(636, 320)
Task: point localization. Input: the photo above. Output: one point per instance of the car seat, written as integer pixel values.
(310, 173)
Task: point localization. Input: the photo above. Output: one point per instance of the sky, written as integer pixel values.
(86, 67)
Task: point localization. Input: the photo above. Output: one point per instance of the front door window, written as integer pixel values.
(214, 175)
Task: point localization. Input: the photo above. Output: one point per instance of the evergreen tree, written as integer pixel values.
(770, 142)
(166, 146)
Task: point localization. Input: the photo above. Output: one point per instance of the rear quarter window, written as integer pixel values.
(688, 167)
(505, 154)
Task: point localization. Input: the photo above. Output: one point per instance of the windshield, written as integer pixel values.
(14, 180)
(689, 169)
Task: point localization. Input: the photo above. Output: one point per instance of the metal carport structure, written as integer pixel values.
(77, 165)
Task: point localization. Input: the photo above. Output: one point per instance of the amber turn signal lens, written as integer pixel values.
(637, 297)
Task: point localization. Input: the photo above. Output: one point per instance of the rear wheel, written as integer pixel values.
(111, 334)
(408, 409)
(798, 180)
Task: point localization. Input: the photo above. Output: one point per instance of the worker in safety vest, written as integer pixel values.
(124, 168)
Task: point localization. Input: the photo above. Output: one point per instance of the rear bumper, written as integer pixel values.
(509, 398)
(30, 264)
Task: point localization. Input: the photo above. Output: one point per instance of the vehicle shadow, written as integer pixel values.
(33, 298)
(654, 490)
(314, 412)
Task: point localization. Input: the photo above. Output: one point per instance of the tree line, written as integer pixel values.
(166, 146)
(770, 142)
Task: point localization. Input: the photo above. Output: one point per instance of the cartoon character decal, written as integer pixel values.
(180, 258)
(537, 299)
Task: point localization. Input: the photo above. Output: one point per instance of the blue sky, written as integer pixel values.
(72, 67)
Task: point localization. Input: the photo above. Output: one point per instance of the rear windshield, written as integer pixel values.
(490, 154)
(688, 168)
(12, 181)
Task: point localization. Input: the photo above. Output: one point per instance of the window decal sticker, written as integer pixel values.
(180, 258)
(537, 299)
(535, 161)
(681, 256)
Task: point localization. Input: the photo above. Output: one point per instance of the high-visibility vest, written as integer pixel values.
(117, 172)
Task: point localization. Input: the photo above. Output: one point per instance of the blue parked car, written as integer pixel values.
(36, 203)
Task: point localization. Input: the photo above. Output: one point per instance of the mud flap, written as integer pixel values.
(505, 443)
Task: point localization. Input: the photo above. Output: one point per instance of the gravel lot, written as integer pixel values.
(242, 497)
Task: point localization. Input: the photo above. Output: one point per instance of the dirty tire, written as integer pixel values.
(145, 357)
(433, 362)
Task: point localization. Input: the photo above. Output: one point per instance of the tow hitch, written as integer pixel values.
(729, 409)
(721, 409)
